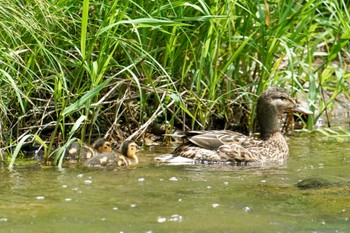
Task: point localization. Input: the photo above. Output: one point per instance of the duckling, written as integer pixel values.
(81, 151)
(127, 157)
(235, 148)
(108, 159)
(102, 145)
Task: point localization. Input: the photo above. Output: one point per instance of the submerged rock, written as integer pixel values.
(322, 182)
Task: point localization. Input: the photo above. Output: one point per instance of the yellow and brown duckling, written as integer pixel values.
(102, 145)
(82, 152)
(127, 157)
(236, 148)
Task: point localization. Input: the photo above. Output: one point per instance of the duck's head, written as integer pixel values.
(277, 101)
(272, 103)
(129, 148)
(102, 145)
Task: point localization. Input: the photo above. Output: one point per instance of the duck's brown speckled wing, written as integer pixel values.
(275, 149)
(213, 139)
(249, 150)
(222, 146)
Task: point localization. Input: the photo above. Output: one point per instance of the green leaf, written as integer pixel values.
(88, 96)
(84, 25)
(17, 149)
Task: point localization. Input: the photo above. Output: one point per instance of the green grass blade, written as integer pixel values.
(84, 26)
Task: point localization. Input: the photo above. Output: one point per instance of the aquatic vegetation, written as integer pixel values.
(338, 134)
(126, 65)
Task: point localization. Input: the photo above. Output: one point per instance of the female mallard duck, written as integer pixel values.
(236, 148)
(81, 151)
(127, 157)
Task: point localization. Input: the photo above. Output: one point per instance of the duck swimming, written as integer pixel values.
(236, 148)
(127, 157)
(81, 151)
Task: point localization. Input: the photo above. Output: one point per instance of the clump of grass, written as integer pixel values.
(124, 66)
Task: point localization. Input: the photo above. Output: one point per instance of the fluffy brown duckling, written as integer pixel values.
(235, 148)
(127, 157)
(81, 151)
(102, 145)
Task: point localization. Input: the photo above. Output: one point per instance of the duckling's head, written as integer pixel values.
(129, 148)
(102, 145)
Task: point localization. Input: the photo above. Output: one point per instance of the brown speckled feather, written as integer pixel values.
(213, 139)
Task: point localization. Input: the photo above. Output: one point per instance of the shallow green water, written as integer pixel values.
(198, 198)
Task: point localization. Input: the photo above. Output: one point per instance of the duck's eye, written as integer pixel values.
(279, 97)
(282, 98)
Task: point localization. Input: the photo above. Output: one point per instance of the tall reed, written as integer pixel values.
(124, 65)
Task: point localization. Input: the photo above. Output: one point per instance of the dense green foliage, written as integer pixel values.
(79, 68)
